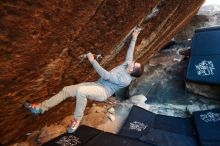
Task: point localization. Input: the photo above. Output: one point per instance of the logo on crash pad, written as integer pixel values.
(210, 117)
(138, 126)
(70, 140)
(205, 68)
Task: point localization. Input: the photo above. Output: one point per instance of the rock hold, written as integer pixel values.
(96, 109)
(111, 110)
(138, 99)
(111, 117)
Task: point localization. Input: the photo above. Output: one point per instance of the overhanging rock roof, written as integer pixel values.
(41, 42)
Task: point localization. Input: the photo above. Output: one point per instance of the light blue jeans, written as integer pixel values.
(82, 92)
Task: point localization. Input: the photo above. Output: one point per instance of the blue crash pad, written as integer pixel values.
(204, 69)
(206, 42)
(204, 63)
(208, 127)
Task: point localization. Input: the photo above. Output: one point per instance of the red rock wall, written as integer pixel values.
(41, 41)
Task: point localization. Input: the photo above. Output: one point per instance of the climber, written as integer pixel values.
(100, 90)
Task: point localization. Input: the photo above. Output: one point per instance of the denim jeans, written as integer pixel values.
(82, 92)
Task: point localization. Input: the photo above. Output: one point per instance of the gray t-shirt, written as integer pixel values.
(118, 77)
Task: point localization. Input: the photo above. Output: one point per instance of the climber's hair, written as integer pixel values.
(137, 71)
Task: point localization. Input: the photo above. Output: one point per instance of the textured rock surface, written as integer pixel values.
(163, 79)
(213, 13)
(41, 41)
(188, 31)
(163, 83)
(206, 90)
(138, 99)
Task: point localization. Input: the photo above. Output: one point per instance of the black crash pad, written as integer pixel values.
(109, 139)
(88, 136)
(138, 123)
(164, 138)
(156, 129)
(82, 135)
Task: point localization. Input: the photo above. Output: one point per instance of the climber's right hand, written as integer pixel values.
(90, 57)
(136, 32)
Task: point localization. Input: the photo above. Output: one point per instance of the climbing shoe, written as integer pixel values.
(73, 126)
(33, 108)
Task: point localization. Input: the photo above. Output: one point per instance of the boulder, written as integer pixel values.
(42, 43)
